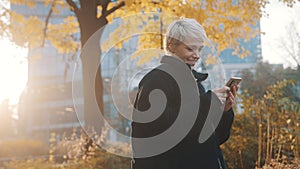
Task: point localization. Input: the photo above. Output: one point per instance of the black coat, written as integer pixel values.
(188, 153)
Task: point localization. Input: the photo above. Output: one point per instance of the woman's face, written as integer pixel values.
(189, 54)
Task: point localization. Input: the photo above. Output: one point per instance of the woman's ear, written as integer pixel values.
(170, 48)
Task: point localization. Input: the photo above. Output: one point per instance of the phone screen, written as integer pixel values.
(233, 80)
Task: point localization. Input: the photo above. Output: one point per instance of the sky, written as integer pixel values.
(13, 63)
(274, 27)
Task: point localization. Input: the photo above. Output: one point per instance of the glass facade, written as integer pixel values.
(46, 105)
(234, 64)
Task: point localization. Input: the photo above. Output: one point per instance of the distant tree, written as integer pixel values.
(290, 44)
(266, 131)
(264, 75)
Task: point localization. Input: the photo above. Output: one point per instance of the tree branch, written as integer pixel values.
(73, 6)
(113, 9)
(47, 21)
(290, 52)
(104, 4)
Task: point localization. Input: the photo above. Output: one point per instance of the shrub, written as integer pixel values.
(22, 148)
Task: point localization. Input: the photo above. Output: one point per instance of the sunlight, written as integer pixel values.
(13, 71)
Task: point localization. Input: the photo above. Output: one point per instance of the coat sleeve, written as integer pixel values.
(209, 103)
(224, 127)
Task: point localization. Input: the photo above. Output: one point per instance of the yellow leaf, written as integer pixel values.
(210, 60)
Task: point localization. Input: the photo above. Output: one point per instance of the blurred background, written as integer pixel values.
(43, 124)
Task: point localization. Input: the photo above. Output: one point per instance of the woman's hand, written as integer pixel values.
(222, 93)
(227, 96)
(231, 98)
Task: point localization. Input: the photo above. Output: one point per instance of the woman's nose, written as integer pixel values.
(195, 56)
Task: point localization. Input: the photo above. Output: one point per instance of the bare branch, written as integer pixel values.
(289, 44)
(290, 53)
(73, 6)
(288, 48)
(113, 9)
(293, 28)
(47, 21)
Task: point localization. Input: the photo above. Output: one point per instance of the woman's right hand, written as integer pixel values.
(222, 93)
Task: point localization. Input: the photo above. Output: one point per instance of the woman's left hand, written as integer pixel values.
(231, 97)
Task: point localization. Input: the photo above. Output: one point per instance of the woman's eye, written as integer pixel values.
(189, 49)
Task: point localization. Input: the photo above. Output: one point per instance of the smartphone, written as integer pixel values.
(233, 80)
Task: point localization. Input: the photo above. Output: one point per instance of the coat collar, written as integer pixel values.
(172, 59)
(199, 76)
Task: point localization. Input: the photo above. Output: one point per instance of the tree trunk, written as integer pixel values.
(272, 143)
(241, 159)
(279, 152)
(268, 136)
(91, 69)
(259, 139)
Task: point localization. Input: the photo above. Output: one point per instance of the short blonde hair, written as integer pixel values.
(184, 30)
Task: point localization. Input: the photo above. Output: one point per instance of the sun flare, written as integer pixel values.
(13, 71)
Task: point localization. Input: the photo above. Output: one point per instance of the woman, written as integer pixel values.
(183, 43)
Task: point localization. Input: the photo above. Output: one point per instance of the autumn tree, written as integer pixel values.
(289, 45)
(266, 74)
(278, 122)
(266, 131)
